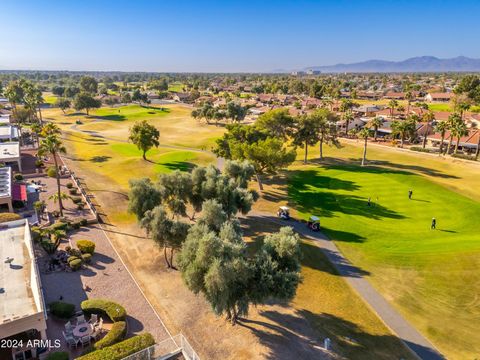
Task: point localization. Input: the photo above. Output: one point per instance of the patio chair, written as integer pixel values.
(85, 340)
(93, 319)
(96, 333)
(81, 320)
(71, 342)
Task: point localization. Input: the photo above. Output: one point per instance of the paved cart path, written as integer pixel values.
(422, 347)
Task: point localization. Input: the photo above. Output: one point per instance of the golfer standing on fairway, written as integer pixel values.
(434, 224)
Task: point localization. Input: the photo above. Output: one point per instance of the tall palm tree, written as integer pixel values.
(392, 105)
(375, 123)
(428, 117)
(459, 130)
(53, 146)
(453, 121)
(441, 128)
(409, 97)
(364, 134)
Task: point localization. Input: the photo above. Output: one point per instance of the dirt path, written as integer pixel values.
(415, 341)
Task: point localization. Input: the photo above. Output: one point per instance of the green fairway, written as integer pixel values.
(430, 275)
(130, 112)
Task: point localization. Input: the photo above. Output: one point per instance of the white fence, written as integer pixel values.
(178, 344)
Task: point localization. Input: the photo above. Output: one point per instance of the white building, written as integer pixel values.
(22, 308)
(8, 133)
(10, 152)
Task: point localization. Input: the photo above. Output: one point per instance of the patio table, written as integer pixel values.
(81, 330)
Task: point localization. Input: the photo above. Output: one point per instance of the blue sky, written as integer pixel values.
(230, 36)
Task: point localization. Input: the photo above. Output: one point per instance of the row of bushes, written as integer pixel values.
(60, 355)
(464, 156)
(421, 149)
(114, 311)
(117, 333)
(122, 349)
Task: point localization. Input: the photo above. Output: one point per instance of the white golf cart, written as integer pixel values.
(314, 223)
(283, 213)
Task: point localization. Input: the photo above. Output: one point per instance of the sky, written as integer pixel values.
(230, 36)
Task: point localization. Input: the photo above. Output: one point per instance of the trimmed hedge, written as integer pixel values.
(86, 246)
(4, 217)
(426, 150)
(60, 355)
(464, 157)
(87, 258)
(74, 262)
(121, 349)
(52, 172)
(62, 309)
(116, 334)
(102, 306)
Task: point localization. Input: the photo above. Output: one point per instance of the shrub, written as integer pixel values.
(73, 192)
(52, 172)
(68, 248)
(116, 334)
(464, 157)
(77, 200)
(81, 206)
(86, 246)
(39, 163)
(49, 246)
(74, 252)
(122, 349)
(36, 234)
(4, 217)
(61, 225)
(75, 225)
(87, 258)
(75, 263)
(114, 311)
(56, 213)
(83, 222)
(62, 309)
(69, 185)
(60, 355)
(421, 149)
(18, 177)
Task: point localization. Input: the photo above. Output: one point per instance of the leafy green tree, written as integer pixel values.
(236, 112)
(89, 85)
(267, 156)
(306, 133)
(140, 97)
(53, 146)
(470, 86)
(14, 92)
(58, 90)
(143, 197)
(71, 91)
(175, 191)
(86, 101)
(144, 136)
(276, 123)
(63, 103)
(237, 134)
(216, 264)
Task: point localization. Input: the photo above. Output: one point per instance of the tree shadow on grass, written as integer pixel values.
(301, 335)
(320, 259)
(100, 159)
(112, 117)
(178, 165)
(384, 166)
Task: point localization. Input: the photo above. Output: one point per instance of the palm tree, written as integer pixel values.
(441, 128)
(36, 129)
(459, 130)
(14, 93)
(409, 97)
(348, 116)
(428, 117)
(53, 146)
(392, 104)
(452, 122)
(364, 134)
(376, 122)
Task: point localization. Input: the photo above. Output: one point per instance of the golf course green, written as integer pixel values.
(431, 276)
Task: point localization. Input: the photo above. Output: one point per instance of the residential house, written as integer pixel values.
(439, 97)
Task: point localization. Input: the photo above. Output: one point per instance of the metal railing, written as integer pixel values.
(77, 182)
(166, 349)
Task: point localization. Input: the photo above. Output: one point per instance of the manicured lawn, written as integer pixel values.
(130, 112)
(431, 276)
(440, 107)
(175, 87)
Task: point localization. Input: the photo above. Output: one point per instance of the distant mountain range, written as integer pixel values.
(415, 64)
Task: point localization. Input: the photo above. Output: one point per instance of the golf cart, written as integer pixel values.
(283, 213)
(314, 223)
